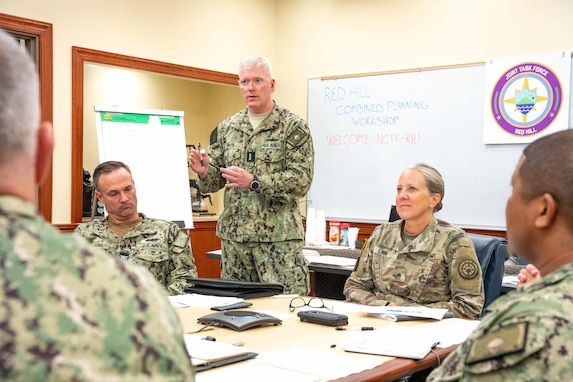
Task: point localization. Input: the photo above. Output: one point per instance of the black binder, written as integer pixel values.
(232, 288)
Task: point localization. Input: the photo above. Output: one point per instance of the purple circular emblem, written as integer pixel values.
(526, 99)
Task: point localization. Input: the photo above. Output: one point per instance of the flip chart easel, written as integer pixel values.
(152, 144)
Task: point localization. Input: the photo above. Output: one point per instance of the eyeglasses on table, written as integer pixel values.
(313, 302)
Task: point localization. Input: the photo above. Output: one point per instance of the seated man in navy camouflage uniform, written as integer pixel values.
(527, 334)
(158, 245)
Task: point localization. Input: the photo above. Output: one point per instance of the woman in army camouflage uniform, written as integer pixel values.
(419, 260)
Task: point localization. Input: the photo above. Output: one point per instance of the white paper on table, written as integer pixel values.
(452, 331)
(252, 372)
(327, 245)
(201, 300)
(509, 281)
(202, 351)
(411, 341)
(414, 311)
(310, 252)
(320, 364)
(394, 341)
(333, 260)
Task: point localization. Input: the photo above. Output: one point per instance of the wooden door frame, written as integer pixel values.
(43, 32)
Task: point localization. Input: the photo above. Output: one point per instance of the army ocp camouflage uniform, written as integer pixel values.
(158, 245)
(525, 335)
(438, 269)
(280, 152)
(71, 312)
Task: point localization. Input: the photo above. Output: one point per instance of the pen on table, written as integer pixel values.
(354, 328)
(200, 157)
(285, 295)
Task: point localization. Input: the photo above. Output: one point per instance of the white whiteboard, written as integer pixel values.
(367, 129)
(152, 144)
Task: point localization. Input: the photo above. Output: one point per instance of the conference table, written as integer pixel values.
(325, 342)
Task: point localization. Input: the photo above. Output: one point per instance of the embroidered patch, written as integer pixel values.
(297, 137)
(503, 341)
(468, 269)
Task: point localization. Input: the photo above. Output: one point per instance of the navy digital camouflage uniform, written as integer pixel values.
(526, 335)
(438, 269)
(262, 233)
(71, 312)
(158, 245)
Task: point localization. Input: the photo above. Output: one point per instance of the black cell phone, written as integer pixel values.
(323, 318)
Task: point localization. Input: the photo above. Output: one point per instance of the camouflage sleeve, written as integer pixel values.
(214, 181)
(466, 283)
(181, 255)
(161, 325)
(83, 230)
(528, 347)
(295, 179)
(359, 286)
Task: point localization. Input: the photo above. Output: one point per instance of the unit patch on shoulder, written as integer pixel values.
(468, 269)
(503, 341)
(297, 137)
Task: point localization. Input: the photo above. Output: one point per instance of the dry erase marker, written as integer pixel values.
(354, 328)
(200, 157)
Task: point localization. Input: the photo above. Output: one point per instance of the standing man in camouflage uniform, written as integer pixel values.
(264, 158)
(527, 335)
(68, 311)
(158, 245)
(419, 260)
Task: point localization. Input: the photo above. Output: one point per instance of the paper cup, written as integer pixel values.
(352, 237)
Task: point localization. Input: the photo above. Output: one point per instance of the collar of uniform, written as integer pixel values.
(11, 205)
(102, 227)
(267, 124)
(423, 242)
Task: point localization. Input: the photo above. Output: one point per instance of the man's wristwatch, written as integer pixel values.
(255, 184)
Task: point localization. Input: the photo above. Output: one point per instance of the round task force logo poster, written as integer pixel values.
(526, 100)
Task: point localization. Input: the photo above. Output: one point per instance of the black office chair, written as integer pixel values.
(393, 214)
(491, 252)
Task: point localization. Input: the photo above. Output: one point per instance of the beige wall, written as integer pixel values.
(333, 37)
(303, 38)
(206, 34)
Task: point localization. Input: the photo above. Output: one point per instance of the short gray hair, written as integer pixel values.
(434, 181)
(19, 99)
(251, 61)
